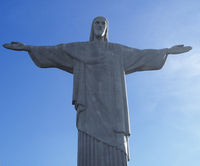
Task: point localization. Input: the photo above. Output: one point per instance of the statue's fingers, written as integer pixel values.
(185, 49)
(188, 48)
(6, 45)
(180, 45)
(13, 42)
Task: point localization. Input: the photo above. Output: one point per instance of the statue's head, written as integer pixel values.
(99, 28)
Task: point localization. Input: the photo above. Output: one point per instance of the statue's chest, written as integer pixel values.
(107, 66)
(105, 55)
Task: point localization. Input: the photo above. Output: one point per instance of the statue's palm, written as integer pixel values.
(15, 46)
(178, 49)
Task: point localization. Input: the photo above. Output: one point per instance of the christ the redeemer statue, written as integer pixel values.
(99, 92)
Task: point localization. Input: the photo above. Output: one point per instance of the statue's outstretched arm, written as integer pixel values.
(149, 59)
(45, 56)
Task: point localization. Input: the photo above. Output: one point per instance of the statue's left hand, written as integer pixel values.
(178, 49)
(17, 46)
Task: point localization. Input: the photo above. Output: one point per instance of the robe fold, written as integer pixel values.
(99, 90)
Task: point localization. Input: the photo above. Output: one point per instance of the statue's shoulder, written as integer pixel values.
(74, 44)
(117, 46)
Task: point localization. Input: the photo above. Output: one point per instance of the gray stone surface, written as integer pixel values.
(99, 67)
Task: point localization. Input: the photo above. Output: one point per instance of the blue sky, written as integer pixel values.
(37, 120)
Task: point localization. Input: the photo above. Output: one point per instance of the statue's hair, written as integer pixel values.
(92, 29)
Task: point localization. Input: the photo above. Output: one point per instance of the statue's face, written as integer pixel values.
(99, 27)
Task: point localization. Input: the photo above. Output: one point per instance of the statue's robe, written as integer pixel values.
(99, 93)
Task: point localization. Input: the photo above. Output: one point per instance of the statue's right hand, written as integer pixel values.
(15, 46)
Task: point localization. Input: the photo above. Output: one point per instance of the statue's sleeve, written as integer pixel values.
(141, 60)
(51, 56)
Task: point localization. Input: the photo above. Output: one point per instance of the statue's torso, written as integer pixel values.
(100, 86)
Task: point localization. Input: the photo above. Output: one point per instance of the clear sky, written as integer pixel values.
(37, 120)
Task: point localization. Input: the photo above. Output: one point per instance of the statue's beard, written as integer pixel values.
(100, 35)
